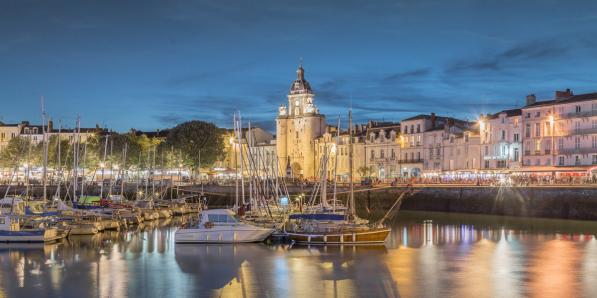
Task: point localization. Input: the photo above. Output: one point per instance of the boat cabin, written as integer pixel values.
(14, 205)
(219, 216)
(9, 223)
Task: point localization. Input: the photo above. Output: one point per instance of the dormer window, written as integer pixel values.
(35, 130)
(26, 130)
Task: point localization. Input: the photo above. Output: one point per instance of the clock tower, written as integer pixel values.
(297, 127)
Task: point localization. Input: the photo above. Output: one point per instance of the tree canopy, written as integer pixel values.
(199, 142)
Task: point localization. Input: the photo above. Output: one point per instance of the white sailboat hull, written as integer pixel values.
(223, 234)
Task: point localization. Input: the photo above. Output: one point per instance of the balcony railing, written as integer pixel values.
(581, 150)
(411, 160)
(578, 115)
(580, 131)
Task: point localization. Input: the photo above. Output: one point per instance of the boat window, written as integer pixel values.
(221, 218)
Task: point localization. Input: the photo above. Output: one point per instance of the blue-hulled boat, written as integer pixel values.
(10, 231)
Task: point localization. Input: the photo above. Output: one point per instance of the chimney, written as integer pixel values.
(560, 95)
(432, 120)
(531, 99)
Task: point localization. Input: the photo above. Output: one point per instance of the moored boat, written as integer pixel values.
(10, 231)
(221, 226)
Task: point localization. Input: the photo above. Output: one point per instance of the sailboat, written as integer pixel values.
(337, 228)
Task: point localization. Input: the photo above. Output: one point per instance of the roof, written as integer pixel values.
(570, 99)
(509, 113)
(300, 85)
(153, 134)
(420, 116)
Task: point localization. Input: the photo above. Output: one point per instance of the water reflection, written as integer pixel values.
(428, 255)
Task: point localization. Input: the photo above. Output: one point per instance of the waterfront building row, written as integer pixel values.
(555, 137)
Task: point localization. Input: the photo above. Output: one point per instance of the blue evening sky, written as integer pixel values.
(153, 64)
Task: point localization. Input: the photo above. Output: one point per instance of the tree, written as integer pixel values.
(199, 142)
(17, 151)
(365, 171)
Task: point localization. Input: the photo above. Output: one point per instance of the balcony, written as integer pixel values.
(410, 160)
(578, 115)
(581, 150)
(582, 131)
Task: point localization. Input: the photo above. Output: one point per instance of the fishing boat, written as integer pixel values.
(221, 226)
(10, 231)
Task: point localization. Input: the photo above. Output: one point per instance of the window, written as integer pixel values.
(487, 164)
(503, 135)
(577, 143)
(538, 114)
(418, 128)
(516, 137)
(527, 130)
(486, 150)
(594, 161)
(405, 129)
(594, 139)
(537, 162)
(2, 221)
(503, 120)
(528, 115)
(381, 153)
(537, 130)
(222, 218)
(577, 160)
(560, 144)
(418, 155)
(393, 154)
(515, 154)
(412, 128)
(372, 154)
(561, 161)
(577, 127)
(577, 109)
(595, 123)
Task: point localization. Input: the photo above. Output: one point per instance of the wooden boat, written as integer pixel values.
(83, 228)
(372, 236)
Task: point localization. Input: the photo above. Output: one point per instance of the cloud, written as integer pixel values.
(408, 75)
(521, 55)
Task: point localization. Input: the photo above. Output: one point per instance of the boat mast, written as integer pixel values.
(103, 165)
(336, 166)
(44, 129)
(76, 161)
(236, 159)
(123, 169)
(58, 162)
(350, 162)
(240, 155)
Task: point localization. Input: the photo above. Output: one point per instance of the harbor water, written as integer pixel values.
(427, 255)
